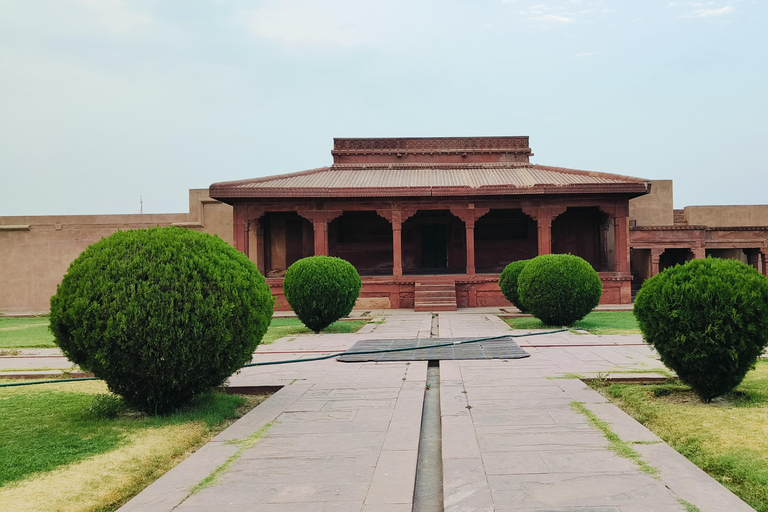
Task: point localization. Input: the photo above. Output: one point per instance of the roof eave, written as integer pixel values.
(225, 193)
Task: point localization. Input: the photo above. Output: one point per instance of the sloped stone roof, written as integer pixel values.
(408, 180)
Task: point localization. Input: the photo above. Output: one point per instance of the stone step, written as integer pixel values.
(435, 297)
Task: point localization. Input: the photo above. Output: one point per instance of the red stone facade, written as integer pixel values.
(451, 211)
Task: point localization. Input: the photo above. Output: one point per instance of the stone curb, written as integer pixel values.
(679, 475)
(171, 489)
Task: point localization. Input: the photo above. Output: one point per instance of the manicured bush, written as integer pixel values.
(321, 289)
(508, 283)
(708, 319)
(559, 289)
(161, 314)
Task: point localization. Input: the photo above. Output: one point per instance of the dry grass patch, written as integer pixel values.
(58, 454)
(105, 481)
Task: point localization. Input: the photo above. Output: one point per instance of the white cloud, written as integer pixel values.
(709, 13)
(552, 18)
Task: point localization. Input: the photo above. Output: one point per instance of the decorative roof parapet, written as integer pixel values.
(432, 149)
(671, 227)
(685, 227)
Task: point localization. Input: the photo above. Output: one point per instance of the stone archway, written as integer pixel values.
(503, 236)
(364, 239)
(586, 232)
(288, 237)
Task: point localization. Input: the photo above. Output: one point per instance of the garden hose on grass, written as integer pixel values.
(328, 356)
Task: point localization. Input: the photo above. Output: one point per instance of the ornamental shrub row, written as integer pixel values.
(558, 289)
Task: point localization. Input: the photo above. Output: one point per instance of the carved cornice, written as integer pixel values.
(668, 228)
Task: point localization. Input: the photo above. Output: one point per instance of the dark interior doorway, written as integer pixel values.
(672, 257)
(434, 242)
(433, 247)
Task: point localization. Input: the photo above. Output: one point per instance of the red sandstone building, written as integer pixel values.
(431, 222)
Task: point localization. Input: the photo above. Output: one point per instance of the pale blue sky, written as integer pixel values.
(103, 101)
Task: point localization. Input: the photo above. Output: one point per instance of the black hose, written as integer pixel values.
(385, 350)
(328, 356)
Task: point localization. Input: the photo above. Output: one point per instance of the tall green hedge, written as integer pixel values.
(708, 319)
(321, 289)
(508, 283)
(161, 314)
(559, 289)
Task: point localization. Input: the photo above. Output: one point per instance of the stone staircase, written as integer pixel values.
(435, 297)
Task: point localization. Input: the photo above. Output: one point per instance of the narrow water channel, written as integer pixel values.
(428, 492)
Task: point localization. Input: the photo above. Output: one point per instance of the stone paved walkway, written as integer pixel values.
(344, 436)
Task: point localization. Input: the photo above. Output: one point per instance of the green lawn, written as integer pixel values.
(33, 332)
(727, 438)
(42, 427)
(282, 327)
(597, 322)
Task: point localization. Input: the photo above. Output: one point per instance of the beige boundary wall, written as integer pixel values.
(35, 251)
(727, 216)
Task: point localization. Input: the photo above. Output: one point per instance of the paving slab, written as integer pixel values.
(344, 436)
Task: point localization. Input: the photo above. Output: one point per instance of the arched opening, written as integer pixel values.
(586, 232)
(288, 238)
(503, 236)
(672, 257)
(434, 242)
(364, 239)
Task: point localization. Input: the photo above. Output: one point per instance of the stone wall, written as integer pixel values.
(654, 209)
(726, 216)
(35, 251)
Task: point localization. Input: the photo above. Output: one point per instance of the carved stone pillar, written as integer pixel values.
(321, 237)
(764, 257)
(699, 253)
(469, 215)
(240, 227)
(544, 225)
(470, 225)
(397, 245)
(396, 218)
(544, 215)
(320, 220)
(621, 239)
(260, 253)
(655, 258)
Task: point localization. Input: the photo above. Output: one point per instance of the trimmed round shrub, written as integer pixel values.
(161, 314)
(559, 289)
(321, 289)
(508, 283)
(708, 320)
